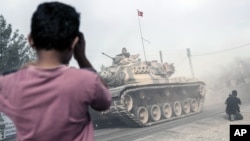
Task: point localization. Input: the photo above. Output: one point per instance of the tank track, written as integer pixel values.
(119, 110)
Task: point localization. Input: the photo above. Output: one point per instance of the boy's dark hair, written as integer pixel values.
(54, 25)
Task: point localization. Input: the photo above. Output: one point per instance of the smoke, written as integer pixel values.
(232, 76)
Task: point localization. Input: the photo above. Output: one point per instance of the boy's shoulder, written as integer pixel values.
(87, 72)
(72, 71)
(84, 70)
(83, 75)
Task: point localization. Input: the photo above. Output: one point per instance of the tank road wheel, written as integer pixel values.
(155, 112)
(142, 114)
(194, 105)
(128, 102)
(166, 110)
(186, 106)
(177, 108)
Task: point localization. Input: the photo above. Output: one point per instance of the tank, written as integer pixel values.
(144, 93)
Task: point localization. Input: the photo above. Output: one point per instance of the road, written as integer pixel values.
(121, 133)
(131, 134)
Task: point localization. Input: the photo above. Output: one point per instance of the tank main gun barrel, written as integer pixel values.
(108, 56)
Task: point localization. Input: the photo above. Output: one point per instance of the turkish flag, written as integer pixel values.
(140, 13)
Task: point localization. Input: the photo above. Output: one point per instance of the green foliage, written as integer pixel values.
(14, 49)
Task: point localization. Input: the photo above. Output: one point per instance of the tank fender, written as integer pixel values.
(116, 92)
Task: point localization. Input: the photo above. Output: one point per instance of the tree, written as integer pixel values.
(14, 49)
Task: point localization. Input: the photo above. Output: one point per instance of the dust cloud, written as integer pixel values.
(234, 75)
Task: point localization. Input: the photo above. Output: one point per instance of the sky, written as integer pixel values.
(216, 31)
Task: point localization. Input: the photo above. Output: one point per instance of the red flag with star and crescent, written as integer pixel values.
(140, 13)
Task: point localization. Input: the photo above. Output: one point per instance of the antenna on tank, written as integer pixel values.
(190, 62)
(161, 56)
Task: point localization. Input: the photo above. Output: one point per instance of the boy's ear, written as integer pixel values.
(31, 41)
(75, 41)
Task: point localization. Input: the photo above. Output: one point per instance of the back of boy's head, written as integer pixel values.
(54, 25)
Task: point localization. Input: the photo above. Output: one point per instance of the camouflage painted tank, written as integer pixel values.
(144, 94)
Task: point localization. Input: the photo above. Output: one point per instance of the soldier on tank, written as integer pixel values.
(124, 57)
(124, 53)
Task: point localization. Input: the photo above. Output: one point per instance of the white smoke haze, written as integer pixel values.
(204, 26)
(234, 75)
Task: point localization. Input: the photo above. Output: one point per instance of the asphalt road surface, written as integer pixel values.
(131, 134)
(123, 133)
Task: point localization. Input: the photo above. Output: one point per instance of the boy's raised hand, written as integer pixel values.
(79, 53)
(79, 50)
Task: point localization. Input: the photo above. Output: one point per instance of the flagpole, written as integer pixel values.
(141, 35)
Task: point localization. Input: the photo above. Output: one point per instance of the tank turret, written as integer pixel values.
(132, 70)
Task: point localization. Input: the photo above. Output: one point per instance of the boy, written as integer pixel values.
(47, 100)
